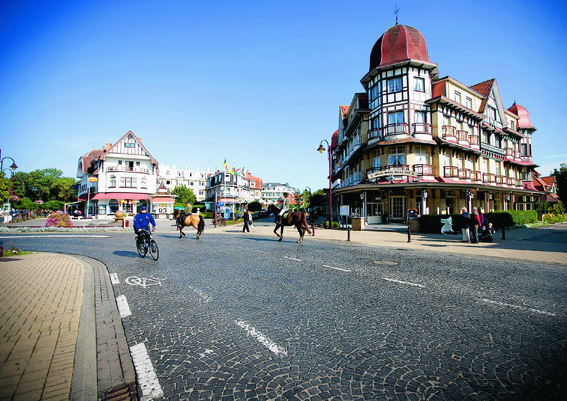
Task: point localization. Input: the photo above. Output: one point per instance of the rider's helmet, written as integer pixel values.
(143, 208)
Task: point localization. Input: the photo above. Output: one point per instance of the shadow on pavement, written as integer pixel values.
(126, 254)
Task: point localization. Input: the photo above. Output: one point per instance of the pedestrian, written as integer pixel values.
(465, 224)
(476, 223)
(247, 219)
(251, 222)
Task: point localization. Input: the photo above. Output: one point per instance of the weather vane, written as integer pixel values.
(396, 11)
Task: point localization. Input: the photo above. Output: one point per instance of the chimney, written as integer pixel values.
(108, 146)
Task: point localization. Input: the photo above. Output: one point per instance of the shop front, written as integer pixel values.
(107, 204)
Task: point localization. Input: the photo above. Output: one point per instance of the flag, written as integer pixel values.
(238, 171)
(224, 164)
(232, 170)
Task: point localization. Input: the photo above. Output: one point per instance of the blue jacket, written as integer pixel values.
(143, 220)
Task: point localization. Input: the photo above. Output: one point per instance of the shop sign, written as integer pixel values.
(393, 171)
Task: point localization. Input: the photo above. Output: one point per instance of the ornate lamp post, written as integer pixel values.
(13, 168)
(321, 149)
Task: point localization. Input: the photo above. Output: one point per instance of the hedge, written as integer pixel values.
(431, 223)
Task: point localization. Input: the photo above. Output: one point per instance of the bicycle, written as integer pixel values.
(147, 244)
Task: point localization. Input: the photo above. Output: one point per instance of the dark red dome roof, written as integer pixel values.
(525, 120)
(398, 43)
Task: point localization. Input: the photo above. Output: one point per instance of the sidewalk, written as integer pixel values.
(61, 336)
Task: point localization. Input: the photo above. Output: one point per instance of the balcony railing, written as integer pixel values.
(451, 172)
(476, 176)
(517, 154)
(423, 169)
(374, 133)
(462, 135)
(526, 158)
(449, 131)
(396, 167)
(518, 182)
(421, 128)
(474, 140)
(488, 178)
(395, 129)
(464, 174)
(509, 152)
(501, 180)
(131, 169)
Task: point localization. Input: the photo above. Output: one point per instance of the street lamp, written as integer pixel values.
(321, 149)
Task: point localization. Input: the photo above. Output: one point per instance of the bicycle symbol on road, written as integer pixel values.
(144, 282)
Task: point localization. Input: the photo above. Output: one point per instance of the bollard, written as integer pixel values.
(348, 238)
(409, 234)
(503, 232)
(313, 234)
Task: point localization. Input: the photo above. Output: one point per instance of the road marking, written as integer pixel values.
(143, 282)
(147, 377)
(265, 341)
(114, 278)
(58, 235)
(297, 260)
(519, 307)
(385, 262)
(403, 282)
(200, 293)
(337, 268)
(123, 307)
(265, 253)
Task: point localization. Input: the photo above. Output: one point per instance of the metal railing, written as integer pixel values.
(501, 180)
(448, 131)
(474, 140)
(462, 135)
(395, 129)
(476, 176)
(464, 174)
(423, 169)
(421, 128)
(451, 172)
(489, 178)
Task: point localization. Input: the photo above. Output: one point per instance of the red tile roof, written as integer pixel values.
(484, 89)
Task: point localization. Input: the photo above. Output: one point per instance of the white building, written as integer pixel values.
(273, 191)
(119, 177)
(195, 180)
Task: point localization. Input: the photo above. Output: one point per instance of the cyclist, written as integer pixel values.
(142, 222)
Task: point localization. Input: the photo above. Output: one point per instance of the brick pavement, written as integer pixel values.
(40, 306)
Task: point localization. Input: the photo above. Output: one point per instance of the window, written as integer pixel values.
(458, 97)
(143, 182)
(491, 111)
(419, 117)
(420, 84)
(484, 136)
(113, 205)
(524, 149)
(469, 102)
(396, 155)
(128, 182)
(420, 154)
(129, 145)
(112, 183)
(394, 85)
(396, 117)
(376, 159)
(375, 91)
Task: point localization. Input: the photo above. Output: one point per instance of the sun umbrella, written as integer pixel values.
(179, 208)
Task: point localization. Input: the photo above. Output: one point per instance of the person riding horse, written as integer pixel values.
(186, 212)
(285, 208)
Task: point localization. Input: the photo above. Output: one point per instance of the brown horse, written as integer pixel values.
(296, 219)
(194, 220)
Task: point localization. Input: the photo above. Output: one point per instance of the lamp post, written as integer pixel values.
(13, 168)
(321, 149)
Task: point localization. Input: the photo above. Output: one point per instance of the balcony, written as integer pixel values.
(423, 169)
(476, 176)
(509, 153)
(501, 180)
(421, 128)
(474, 140)
(518, 182)
(396, 167)
(451, 172)
(488, 178)
(395, 129)
(374, 133)
(462, 135)
(526, 158)
(129, 169)
(464, 174)
(449, 133)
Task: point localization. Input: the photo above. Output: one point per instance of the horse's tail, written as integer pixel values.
(201, 223)
(304, 218)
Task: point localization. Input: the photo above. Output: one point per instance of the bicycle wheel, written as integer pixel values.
(142, 248)
(154, 250)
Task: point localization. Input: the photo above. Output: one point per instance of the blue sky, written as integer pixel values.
(257, 82)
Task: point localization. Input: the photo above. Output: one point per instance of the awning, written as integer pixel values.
(163, 200)
(120, 195)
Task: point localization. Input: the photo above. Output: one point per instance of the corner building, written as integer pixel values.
(414, 140)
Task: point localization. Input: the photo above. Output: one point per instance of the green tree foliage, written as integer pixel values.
(254, 206)
(5, 185)
(53, 205)
(306, 199)
(62, 189)
(26, 204)
(46, 184)
(184, 195)
(319, 198)
(561, 178)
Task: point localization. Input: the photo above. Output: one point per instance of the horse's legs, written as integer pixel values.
(276, 229)
(180, 231)
(196, 226)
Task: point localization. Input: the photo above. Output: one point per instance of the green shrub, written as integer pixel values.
(335, 224)
(553, 218)
(431, 223)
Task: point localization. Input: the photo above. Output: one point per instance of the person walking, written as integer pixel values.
(476, 223)
(465, 224)
(247, 218)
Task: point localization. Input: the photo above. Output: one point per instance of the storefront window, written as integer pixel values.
(113, 206)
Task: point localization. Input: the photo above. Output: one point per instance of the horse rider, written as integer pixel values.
(285, 207)
(184, 213)
(142, 222)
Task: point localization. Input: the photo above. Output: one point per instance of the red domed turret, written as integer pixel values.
(399, 43)
(520, 111)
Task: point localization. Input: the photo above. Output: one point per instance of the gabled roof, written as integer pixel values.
(344, 111)
(89, 157)
(154, 161)
(484, 89)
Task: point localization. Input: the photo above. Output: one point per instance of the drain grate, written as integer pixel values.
(125, 391)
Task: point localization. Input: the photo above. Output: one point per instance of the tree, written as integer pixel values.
(53, 205)
(184, 195)
(254, 206)
(5, 185)
(561, 177)
(63, 189)
(319, 198)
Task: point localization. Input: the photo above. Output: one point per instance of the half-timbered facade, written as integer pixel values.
(119, 177)
(414, 140)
